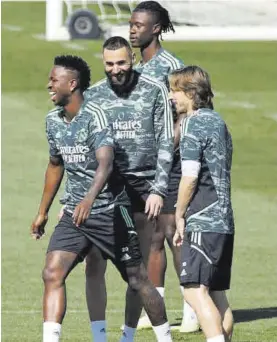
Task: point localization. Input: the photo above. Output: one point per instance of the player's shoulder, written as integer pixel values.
(95, 88)
(153, 82)
(201, 120)
(96, 113)
(55, 114)
(173, 62)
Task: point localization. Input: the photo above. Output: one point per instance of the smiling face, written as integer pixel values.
(61, 85)
(143, 29)
(118, 66)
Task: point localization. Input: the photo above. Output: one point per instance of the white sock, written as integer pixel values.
(219, 338)
(98, 329)
(160, 290)
(189, 312)
(128, 334)
(162, 332)
(51, 331)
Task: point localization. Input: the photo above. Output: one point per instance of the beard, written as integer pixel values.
(123, 86)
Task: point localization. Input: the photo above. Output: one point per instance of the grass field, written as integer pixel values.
(244, 77)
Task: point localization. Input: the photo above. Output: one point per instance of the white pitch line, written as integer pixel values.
(12, 28)
(30, 312)
(272, 116)
(39, 36)
(74, 46)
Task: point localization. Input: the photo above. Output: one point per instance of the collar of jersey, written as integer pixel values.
(160, 51)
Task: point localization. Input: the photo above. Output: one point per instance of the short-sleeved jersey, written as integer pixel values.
(206, 139)
(76, 142)
(159, 67)
(143, 131)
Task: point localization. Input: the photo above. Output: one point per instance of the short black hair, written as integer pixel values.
(162, 15)
(75, 63)
(117, 42)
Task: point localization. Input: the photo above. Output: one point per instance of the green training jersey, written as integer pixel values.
(160, 65)
(76, 143)
(143, 131)
(206, 139)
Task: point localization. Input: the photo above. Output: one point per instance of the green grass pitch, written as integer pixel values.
(244, 77)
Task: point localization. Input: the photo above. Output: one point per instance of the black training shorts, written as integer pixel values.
(112, 232)
(207, 259)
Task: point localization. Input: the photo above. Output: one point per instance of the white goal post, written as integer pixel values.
(195, 19)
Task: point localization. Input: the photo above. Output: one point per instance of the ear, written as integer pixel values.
(73, 84)
(134, 58)
(157, 28)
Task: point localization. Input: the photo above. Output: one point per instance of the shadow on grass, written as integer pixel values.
(248, 315)
(245, 315)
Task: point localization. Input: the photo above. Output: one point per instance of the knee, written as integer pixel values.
(169, 233)
(195, 293)
(95, 265)
(136, 278)
(157, 243)
(52, 275)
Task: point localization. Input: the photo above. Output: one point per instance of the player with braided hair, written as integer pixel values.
(148, 22)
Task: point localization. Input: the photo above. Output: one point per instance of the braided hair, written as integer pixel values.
(162, 15)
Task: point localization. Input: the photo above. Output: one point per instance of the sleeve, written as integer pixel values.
(100, 131)
(192, 139)
(164, 134)
(53, 150)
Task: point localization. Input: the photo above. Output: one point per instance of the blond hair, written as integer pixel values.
(195, 82)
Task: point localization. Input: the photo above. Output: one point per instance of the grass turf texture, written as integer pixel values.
(244, 77)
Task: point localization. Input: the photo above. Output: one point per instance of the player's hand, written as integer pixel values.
(153, 205)
(60, 215)
(37, 227)
(82, 211)
(178, 237)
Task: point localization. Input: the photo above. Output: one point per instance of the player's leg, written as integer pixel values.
(145, 230)
(206, 265)
(66, 248)
(58, 265)
(167, 221)
(96, 294)
(157, 264)
(222, 279)
(221, 302)
(199, 298)
(129, 262)
(152, 302)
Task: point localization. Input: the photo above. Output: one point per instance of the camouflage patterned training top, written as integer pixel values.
(206, 139)
(143, 131)
(159, 67)
(76, 142)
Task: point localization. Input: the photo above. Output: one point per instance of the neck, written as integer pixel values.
(72, 108)
(150, 51)
(190, 110)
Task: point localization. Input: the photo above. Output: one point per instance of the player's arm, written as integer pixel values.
(103, 144)
(53, 177)
(191, 153)
(164, 135)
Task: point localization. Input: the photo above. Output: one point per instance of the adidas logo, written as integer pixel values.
(167, 333)
(183, 273)
(125, 257)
